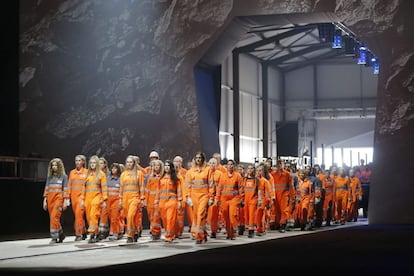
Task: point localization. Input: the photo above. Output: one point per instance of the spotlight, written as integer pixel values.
(368, 58)
(375, 65)
(362, 55)
(337, 40)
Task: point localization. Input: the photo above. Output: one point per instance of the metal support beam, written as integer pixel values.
(332, 54)
(251, 47)
(265, 115)
(299, 53)
(236, 107)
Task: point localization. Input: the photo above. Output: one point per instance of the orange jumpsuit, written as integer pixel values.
(151, 184)
(56, 189)
(355, 192)
(132, 196)
(294, 204)
(284, 190)
(184, 208)
(168, 199)
(341, 191)
(113, 205)
(306, 199)
(213, 210)
(75, 184)
(94, 193)
(230, 193)
(328, 201)
(104, 218)
(252, 192)
(200, 188)
(268, 196)
(319, 193)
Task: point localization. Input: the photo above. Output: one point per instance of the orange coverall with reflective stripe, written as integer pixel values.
(268, 195)
(184, 209)
(230, 193)
(131, 195)
(306, 199)
(56, 189)
(75, 185)
(94, 193)
(151, 184)
(213, 210)
(168, 198)
(200, 189)
(113, 205)
(342, 196)
(283, 185)
(355, 192)
(328, 202)
(252, 189)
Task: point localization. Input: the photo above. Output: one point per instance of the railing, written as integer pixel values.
(27, 168)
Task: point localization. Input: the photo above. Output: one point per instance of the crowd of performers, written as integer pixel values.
(109, 202)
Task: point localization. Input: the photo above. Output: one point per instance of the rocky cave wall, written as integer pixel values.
(115, 77)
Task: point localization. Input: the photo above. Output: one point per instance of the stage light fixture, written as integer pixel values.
(362, 55)
(375, 65)
(337, 39)
(368, 58)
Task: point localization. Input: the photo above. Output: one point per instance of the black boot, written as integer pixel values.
(241, 230)
(92, 239)
(136, 237)
(251, 234)
(53, 241)
(282, 228)
(61, 237)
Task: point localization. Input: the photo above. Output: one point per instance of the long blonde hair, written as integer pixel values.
(153, 162)
(98, 167)
(106, 170)
(134, 168)
(61, 168)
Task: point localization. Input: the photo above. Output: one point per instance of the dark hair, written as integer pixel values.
(118, 167)
(173, 173)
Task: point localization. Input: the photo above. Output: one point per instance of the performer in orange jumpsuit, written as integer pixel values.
(306, 199)
(94, 196)
(151, 184)
(169, 198)
(113, 202)
(253, 195)
(56, 198)
(329, 198)
(76, 180)
(213, 210)
(104, 218)
(200, 194)
(267, 198)
(184, 211)
(342, 195)
(284, 191)
(230, 195)
(131, 197)
(356, 196)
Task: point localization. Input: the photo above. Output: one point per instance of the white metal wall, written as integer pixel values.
(337, 86)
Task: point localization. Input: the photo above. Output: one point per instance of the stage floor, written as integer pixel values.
(38, 255)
